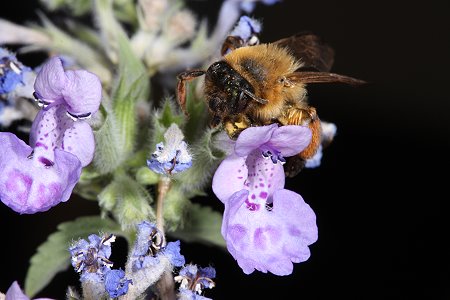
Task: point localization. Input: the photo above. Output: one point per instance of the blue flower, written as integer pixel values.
(11, 71)
(172, 251)
(247, 29)
(173, 156)
(249, 5)
(91, 259)
(149, 247)
(116, 284)
(194, 279)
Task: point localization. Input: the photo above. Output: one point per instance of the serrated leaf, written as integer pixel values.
(53, 256)
(203, 225)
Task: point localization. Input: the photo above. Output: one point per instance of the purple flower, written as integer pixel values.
(247, 29)
(116, 284)
(193, 280)
(91, 259)
(38, 177)
(266, 227)
(11, 72)
(149, 247)
(173, 157)
(15, 293)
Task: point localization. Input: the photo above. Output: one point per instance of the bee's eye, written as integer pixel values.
(253, 40)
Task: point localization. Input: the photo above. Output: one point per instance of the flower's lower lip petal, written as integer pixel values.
(252, 138)
(300, 218)
(79, 140)
(269, 241)
(27, 187)
(291, 139)
(232, 205)
(229, 177)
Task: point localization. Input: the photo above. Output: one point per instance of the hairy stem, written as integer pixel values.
(163, 188)
(165, 285)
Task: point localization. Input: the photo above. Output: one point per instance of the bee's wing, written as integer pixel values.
(322, 77)
(310, 50)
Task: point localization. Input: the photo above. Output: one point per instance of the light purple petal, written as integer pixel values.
(53, 129)
(269, 240)
(252, 138)
(290, 139)
(15, 293)
(229, 177)
(82, 93)
(27, 185)
(51, 80)
(264, 178)
(79, 140)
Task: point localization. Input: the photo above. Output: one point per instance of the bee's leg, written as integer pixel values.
(235, 126)
(231, 43)
(181, 86)
(307, 117)
(316, 129)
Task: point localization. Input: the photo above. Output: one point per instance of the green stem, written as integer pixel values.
(163, 188)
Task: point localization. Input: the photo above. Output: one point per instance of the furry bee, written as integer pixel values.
(265, 84)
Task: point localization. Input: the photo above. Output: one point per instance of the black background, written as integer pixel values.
(379, 193)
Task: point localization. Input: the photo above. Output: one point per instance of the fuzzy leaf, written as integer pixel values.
(206, 160)
(198, 116)
(53, 256)
(61, 42)
(127, 200)
(202, 225)
(108, 152)
(146, 177)
(175, 205)
(132, 82)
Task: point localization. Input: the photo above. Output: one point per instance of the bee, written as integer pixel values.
(264, 84)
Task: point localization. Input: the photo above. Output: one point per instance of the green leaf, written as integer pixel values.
(88, 58)
(108, 151)
(203, 225)
(206, 160)
(127, 200)
(146, 177)
(53, 256)
(198, 114)
(132, 83)
(176, 203)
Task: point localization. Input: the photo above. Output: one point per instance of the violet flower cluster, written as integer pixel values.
(38, 176)
(91, 260)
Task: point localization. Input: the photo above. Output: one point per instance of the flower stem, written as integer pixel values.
(165, 285)
(163, 188)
